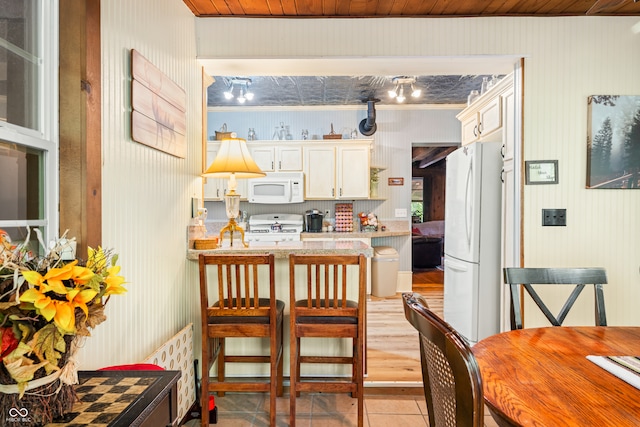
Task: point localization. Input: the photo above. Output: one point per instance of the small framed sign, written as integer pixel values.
(541, 171)
(396, 181)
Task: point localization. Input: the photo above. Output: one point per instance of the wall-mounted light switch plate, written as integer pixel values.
(401, 213)
(554, 217)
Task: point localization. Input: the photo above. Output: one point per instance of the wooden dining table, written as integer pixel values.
(541, 377)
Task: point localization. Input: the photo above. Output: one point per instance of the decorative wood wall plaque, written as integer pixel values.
(158, 116)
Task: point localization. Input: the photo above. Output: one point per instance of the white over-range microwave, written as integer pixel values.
(277, 188)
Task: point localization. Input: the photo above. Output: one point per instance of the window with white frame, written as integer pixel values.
(29, 117)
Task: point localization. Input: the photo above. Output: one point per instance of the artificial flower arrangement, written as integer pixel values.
(46, 304)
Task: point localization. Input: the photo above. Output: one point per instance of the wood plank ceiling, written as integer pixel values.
(409, 8)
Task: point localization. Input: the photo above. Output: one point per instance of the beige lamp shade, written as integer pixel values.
(233, 159)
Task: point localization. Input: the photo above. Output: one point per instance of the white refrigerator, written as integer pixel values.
(472, 240)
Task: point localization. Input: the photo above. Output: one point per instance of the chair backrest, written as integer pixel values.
(527, 277)
(239, 291)
(450, 373)
(326, 285)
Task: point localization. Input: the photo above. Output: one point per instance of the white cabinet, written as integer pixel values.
(352, 168)
(494, 117)
(483, 119)
(319, 172)
(216, 188)
(277, 158)
(508, 102)
(332, 169)
(213, 187)
(337, 171)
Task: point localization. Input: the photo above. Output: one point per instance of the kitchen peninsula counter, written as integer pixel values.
(284, 249)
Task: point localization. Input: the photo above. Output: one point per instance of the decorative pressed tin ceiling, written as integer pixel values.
(343, 90)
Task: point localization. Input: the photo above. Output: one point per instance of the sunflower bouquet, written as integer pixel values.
(48, 303)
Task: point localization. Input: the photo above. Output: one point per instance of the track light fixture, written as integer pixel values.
(243, 84)
(398, 91)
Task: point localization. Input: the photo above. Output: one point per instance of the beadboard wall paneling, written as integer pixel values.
(146, 193)
(398, 128)
(566, 60)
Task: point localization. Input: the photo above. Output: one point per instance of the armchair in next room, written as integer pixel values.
(427, 240)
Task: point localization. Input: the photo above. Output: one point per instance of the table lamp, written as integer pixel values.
(233, 161)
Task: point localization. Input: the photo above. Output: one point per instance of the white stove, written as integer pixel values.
(274, 228)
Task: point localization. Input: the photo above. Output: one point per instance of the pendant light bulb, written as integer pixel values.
(393, 93)
(249, 95)
(400, 98)
(228, 94)
(241, 98)
(415, 92)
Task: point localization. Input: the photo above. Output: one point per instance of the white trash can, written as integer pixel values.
(384, 271)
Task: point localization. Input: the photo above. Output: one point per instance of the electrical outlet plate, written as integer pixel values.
(554, 217)
(401, 213)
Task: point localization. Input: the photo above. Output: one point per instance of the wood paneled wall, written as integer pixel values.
(146, 193)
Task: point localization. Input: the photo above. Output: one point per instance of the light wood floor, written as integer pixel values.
(393, 354)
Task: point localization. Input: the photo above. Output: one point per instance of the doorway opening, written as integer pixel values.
(428, 192)
(384, 357)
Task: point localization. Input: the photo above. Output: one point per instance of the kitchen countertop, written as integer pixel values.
(283, 249)
(355, 234)
(394, 228)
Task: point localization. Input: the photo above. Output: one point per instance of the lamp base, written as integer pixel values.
(231, 227)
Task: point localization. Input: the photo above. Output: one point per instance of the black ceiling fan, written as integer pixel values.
(601, 5)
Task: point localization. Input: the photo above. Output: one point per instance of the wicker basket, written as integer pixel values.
(224, 135)
(203, 244)
(332, 134)
(44, 403)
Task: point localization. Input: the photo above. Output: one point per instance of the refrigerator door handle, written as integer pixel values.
(456, 266)
(467, 205)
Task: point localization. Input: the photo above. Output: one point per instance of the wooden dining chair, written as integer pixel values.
(526, 278)
(245, 306)
(322, 308)
(450, 373)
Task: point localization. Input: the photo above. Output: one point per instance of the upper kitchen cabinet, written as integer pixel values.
(337, 170)
(277, 157)
(482, 120)
(320, 172)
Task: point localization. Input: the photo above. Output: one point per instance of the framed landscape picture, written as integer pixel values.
(613, 142)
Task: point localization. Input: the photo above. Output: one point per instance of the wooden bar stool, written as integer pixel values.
(320, 309)
(244, 308)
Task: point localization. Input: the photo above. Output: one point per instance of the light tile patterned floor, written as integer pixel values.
(325, 410)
